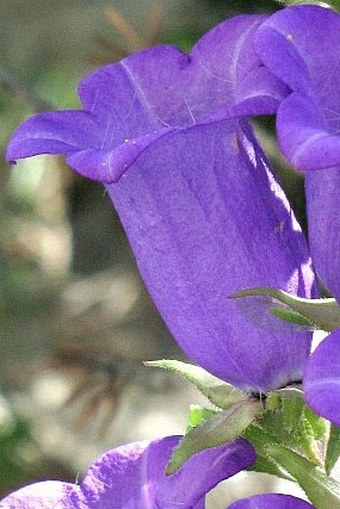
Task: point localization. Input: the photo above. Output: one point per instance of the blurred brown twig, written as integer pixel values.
(98, 381)
(131, 39)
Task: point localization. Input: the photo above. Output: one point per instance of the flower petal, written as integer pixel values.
(321, 384)
(179, 89)
(59, 132)
(132, 477)
(323, 198)
(187, 487)
(131, 103)
(120, 483)
(206, 218)
(271, 501)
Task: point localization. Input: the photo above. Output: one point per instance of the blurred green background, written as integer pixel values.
(75, 319)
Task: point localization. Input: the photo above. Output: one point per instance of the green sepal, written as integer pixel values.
(293, 423)
(284, 411)
(319, 425)
(197, 415)
(302, 423)
(260, 439)
(218, 392)
(333, 448)
(289, 402)
(322, 491)
(222, 428)
(323, 314)
(290, 316)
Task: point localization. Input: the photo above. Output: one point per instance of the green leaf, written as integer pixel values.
(223, 427)
(323, 313)
(333, 448)
(322, 491)
(218, 392)
(197, 415)
(335, 4)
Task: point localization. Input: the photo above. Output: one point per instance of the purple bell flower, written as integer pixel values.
(132, 477)
(165, 133)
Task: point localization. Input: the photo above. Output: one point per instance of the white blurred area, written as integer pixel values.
(44, 236)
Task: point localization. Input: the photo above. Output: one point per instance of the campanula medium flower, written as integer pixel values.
(202, 210)
(132, 477)
(165, 133)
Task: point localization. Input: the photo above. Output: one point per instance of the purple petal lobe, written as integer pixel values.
(130, 104)
(274, 45)
(271, 501)
(300, 46)
(323, 198)
(304, 136)
(60, 132)
(321, 384)
(205, 218)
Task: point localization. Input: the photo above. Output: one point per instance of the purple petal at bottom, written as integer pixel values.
(321, 384)
(271, 501)
(132, 477)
